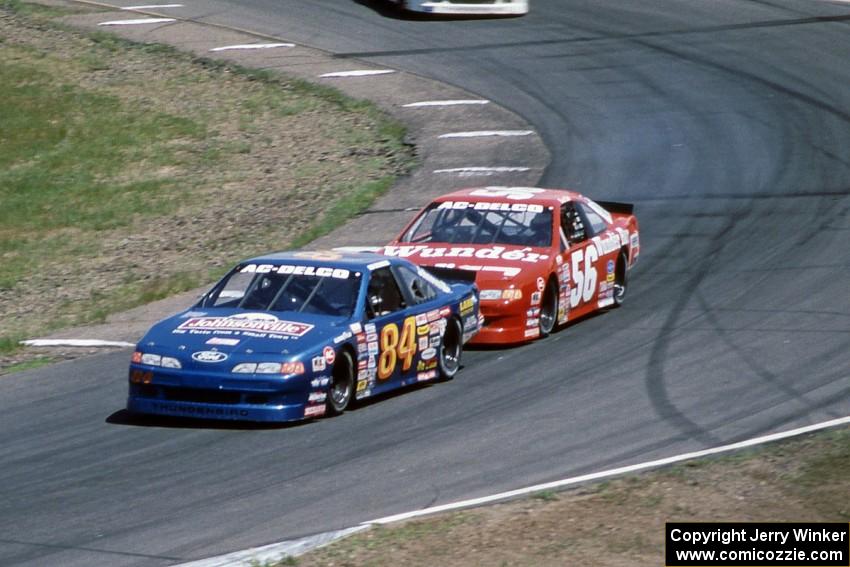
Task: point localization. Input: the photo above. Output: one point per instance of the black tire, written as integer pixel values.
(548, 317)
(451, 349)
(341, 390)
(620, 280)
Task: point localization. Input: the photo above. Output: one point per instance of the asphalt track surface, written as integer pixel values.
(726, 122)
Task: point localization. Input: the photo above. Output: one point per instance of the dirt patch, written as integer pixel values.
(265, 159)
(618, 523)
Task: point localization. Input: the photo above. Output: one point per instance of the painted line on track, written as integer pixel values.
(75, 343)
(444, 103)
(275, 551)
(250, 557)
(358, 73)
(487, 133)
(152, 6)
(138, 22)
(610, 473)
(482, 170)
(252, 46)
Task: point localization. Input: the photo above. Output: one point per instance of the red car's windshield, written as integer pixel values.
(482, 223)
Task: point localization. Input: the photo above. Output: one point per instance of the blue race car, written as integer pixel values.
(296, 335)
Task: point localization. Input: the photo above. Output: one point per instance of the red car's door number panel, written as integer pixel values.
(583, 263)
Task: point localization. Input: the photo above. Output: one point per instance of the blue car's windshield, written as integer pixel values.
(319, 291)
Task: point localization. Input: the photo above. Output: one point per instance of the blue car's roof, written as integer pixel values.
(347, 260)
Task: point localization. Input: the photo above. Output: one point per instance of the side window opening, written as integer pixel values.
(383, 295)
(419, 290)
(572, 223)
(596, 222)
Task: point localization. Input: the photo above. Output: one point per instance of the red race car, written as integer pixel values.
(542, 256)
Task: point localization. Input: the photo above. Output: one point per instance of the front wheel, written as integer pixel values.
(342, 387)
(451, 348)
(548, 310)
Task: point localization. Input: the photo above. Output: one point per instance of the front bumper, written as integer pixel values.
(505, 324)
(231, 412)
(195, 395)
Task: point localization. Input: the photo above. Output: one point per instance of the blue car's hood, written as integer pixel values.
(237, 331)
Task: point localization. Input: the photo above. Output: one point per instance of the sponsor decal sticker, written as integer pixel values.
(531, 333)
(222, 341)
(256, 322)
(467, 304)
(356, 328)
(429, 353)
(320, 382)
(319, 364)
(287, 269)
(423, 343)
(345, 336)
(485, 252)
(429, 375)
(422, 319)
(292, 368)
(535, 298)
(541, 284)
(426, 365)
(314, 411)
(362, 385)
(378, 265)
(433, 315)
(316, 397)
(423, 329)
(486, 206)
(330, 354)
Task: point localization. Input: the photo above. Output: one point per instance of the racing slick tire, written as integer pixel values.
(548, 309)
(620, 280)
(451, 349)
(341, 390)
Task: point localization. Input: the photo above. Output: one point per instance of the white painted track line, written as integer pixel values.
(425, 103)
(484, 170)
(252, 46)
(137, 22)
(152, 6)
(274, 552)
(487, 133)
(610, 473)
(359, 73)
(75, 343)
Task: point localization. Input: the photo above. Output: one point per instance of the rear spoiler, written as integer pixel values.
(452, 275)
(614, 207)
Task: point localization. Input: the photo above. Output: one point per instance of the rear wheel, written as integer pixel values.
(548, 309)
(342, 386)
(620, 280)
(451, 348)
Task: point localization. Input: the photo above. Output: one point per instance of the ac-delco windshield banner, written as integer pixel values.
(757, 544)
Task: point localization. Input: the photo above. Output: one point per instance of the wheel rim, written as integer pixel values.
(620, 282)
(342, 387)
(548, 311)
(450, 350)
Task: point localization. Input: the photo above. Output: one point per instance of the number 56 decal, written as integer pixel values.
(584, 275)
(397, 347)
